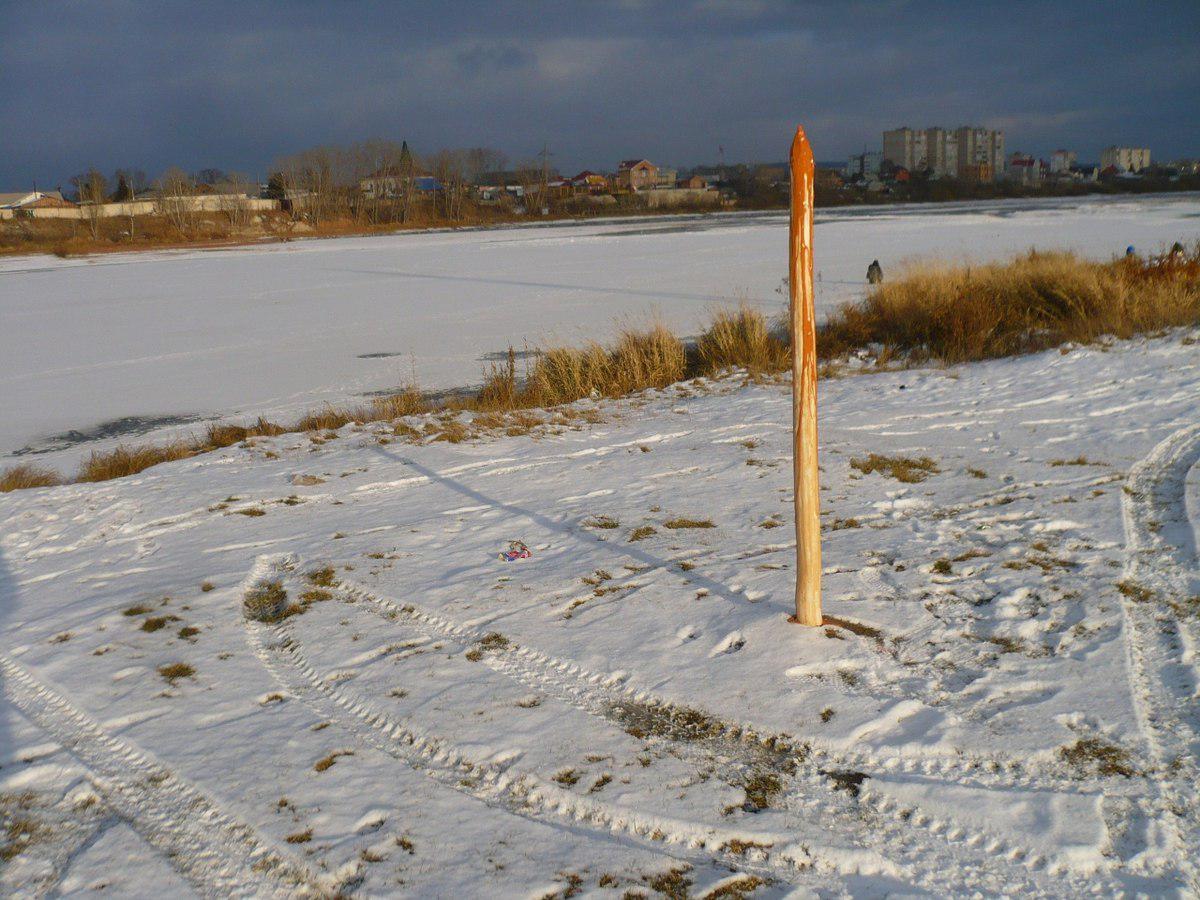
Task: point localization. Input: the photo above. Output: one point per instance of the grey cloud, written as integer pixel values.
(236, 84)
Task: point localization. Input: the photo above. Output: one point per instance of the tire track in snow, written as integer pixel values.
(743, 747)
(526, 795)
(1161, 580)
(217, 854)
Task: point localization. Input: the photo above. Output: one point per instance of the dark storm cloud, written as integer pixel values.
(236, 84)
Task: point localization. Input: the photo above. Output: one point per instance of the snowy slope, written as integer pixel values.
(132, 340)
(1019, 718)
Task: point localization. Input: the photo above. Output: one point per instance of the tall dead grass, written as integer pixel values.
(742, 338)
(948, 313)
(126, 460)
(27, 476)
(961, 313)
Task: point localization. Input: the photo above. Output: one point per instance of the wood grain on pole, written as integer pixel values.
(804, 386)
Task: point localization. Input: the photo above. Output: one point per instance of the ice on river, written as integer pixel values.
(107, 348)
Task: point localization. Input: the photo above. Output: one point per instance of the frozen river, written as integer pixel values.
(98, 349)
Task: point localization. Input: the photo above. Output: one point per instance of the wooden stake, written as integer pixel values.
(804, 387)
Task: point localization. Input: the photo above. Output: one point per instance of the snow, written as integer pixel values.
(123, 346)
(608, 710)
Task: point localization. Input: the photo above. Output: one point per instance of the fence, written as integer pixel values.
(198, 203)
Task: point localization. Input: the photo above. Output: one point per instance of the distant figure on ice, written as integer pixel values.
(875, 272)
(1129, 251)
(1176, 249)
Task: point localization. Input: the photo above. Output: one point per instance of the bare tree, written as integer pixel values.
(176, 202)
(92, 188)
(235, 191)
(449, 168)
(481, 160)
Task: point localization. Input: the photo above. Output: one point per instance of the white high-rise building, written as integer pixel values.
(941, 152)
(1061, 161)
(1128, 159)
(967, 152)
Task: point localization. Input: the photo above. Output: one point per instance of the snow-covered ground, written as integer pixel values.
(120, 346)
(1004, 702)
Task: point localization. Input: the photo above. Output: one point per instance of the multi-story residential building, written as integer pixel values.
(967, 152)
(904, 147)
(637, 174)
(979, 147)
(1061, 161)
(864, 165)
(1025, 169)
(1127, 159)
(941, 152)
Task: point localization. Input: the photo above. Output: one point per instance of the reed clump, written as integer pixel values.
(24, 476)
(955, 314)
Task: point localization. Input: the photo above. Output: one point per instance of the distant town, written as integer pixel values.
(377, 185)
(976, 155)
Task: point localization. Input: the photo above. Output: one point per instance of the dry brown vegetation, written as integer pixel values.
(130, 460)
(742, 338)
(932, 312)
(27, 476)
(903, 468)
(956, 314)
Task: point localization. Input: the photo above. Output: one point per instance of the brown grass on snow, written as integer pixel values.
(742, 338)
(961, 313)
(27, 476)
(947, 313)
(130, 460)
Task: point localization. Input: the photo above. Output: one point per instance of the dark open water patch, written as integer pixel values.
(502, 355)
(126, 426)
(387, 354)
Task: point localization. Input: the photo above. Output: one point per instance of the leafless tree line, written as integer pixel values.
(372, 182)
(377, 182)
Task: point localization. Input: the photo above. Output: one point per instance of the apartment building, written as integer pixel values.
(1061, 161)
(1127, 159)
(863, 164)
(967, 152)
(979, 147)
(941, 152)
(904, 147)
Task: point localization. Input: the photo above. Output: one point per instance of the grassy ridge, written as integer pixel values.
(954, 314)
(947, 314)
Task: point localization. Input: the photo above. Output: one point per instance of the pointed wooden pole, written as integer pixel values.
(804, 387)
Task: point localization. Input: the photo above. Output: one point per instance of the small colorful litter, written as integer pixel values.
(516, 550)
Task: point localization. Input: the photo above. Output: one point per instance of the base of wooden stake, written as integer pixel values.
(795, 620)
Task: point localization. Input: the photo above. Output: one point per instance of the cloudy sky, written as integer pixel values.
(237, 84)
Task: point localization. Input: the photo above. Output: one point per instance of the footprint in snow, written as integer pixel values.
(731, 643)
(687, 633)
(876, 582)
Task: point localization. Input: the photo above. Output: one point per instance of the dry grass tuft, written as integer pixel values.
(408, 402)
(130, 460)
(1034, 302)
(330, 418)
(910, 470)
(174, 671)
(18, 478)
(653, 358)
(566, 374)
(688, 523)
(220, 434)
(266, 602)
(741, 338)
